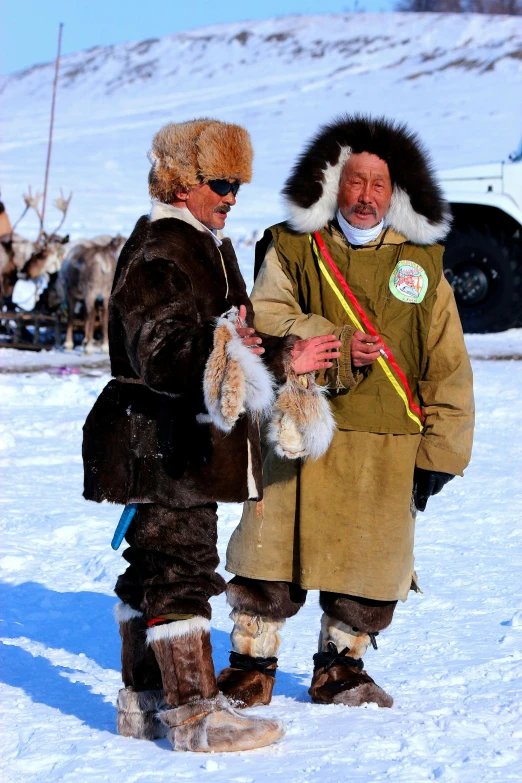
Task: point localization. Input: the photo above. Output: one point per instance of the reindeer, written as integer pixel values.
(8, 273)
(24, 259)
(87, 275)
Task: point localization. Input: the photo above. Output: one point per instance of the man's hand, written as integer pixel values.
(427, 483)
(245, 332)
(362, 352)
(315, 353)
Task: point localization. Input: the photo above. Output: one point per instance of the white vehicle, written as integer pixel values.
(483, 257)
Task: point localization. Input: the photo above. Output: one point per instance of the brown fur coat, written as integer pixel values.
(147, 438)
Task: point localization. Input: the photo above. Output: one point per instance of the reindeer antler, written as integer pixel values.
(62, 204)
(30, 201)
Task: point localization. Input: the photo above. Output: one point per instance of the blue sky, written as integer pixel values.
(29, 28)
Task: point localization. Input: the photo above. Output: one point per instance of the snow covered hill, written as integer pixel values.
(454, 78)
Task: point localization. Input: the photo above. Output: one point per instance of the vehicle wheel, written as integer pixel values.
(485, 272)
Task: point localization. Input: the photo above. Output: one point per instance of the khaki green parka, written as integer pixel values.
(345, 523)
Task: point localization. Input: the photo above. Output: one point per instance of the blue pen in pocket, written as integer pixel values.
(123, 525)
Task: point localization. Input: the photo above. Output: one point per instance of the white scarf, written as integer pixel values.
(358, 236)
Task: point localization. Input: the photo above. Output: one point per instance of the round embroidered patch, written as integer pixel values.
(409, 282)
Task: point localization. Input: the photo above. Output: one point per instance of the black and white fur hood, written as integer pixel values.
(418, 210)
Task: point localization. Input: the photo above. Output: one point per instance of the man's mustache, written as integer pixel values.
(223, 208)
(358, 209)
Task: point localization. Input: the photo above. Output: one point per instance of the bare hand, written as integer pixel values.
(315, 353)
(365, 348)
(245, 332)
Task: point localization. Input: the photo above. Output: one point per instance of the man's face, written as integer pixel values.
(208, 207)
(365, 190)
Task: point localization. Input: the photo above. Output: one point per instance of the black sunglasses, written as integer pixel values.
(223, 187)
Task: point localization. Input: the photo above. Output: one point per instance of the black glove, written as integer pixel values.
(427, 483)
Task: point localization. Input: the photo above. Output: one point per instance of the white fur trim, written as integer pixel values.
(203, 418)
(160, 210)
(123, 613)
(416, 228)
(177, 628)
(401, 216)
(306, 220)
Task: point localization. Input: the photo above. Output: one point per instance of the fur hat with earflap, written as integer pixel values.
(184, 154)
(417, 210)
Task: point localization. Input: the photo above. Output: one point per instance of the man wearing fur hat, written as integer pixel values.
(358, 258)
(176, 431)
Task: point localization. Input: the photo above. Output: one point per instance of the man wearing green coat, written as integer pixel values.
(357, 258)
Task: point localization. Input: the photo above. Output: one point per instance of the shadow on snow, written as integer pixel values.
(79, 623)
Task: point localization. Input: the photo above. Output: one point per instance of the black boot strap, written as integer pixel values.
(332, 657)
(373, 640)
(249, 664)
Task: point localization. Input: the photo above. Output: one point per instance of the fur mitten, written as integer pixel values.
(302, 423)
(235, 379)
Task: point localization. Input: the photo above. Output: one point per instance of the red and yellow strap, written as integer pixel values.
(402, 388)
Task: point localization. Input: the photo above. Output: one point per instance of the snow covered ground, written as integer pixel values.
(451, 659)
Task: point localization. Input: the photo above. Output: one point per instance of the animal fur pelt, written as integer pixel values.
(335, 682)
(197, 716)
(235, 379)
(257, 639)
(183, 154)
(148, 438)
(417, 210)
(302, 423)
(138, 714)
(182, 585)
(139, 668)
(274, 600)
(362, 613)
(213, 726)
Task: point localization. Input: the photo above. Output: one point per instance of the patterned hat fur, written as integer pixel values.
(185, 154)
(417, 210)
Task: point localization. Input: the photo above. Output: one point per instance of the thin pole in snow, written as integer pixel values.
(49, 148)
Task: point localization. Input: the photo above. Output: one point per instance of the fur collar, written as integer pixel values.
(417, 210)
(160, 211)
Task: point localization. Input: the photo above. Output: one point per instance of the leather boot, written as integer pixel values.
(138, 702)
(249, 680)
(339, 676)
(197, 716)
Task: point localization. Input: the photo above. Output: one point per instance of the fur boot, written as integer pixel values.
(138, 714)
(249, 680)
(235, 379)
(138, 702)
(197, 716)
(339, 676)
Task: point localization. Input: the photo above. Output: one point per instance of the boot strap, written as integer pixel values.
(332, 657)
(249, 664)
